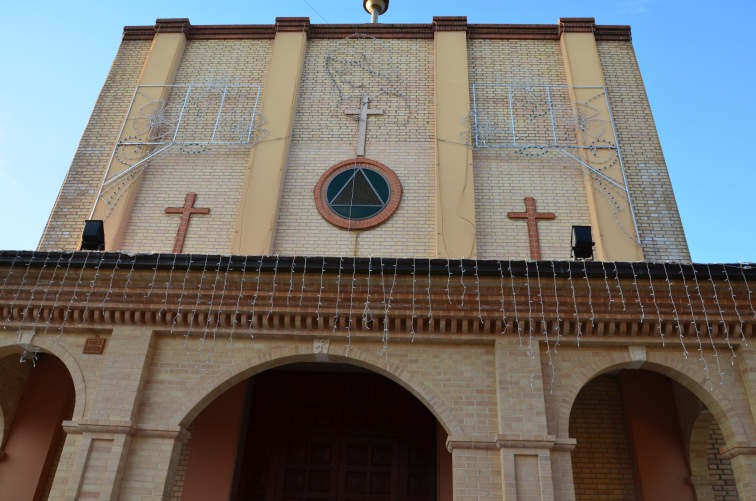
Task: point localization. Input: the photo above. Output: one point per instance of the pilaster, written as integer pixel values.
(159, 70)
(455, 193)
(261, 195)
(615, 232)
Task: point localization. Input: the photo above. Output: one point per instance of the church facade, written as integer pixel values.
(373, 262)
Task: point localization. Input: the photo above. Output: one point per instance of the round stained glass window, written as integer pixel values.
(358, 194)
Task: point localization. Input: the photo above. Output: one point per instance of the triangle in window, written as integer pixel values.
(357, 191)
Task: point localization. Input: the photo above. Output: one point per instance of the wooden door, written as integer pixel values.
(322, 436)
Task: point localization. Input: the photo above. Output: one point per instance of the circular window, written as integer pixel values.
(358, 194)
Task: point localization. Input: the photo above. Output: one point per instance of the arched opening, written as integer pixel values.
(35, 398)
(642, 435)
(315, 431)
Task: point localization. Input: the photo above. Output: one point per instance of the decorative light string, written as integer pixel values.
(694, 323)
(674, 311)
(652, 292)
(722, 321)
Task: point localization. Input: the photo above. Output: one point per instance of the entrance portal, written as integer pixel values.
(335, 436)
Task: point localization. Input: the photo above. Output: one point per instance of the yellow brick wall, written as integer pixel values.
(82, 183)
(504, 177)
(661, 232)
(401, 138)
(215, 175)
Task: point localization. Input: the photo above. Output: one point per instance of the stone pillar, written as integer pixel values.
(261, 195)
(524, 442)
(159, 69)
(477, 471)
(108, 427)
(455, 193)
(743, 461)
(586, 77)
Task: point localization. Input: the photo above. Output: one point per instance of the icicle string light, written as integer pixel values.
(694, 323)
(219, 309)
(735, 306)
(652, 292)
(748, 289)
(73, 295)
(606, 283)
(722, 321)
(574, 303)
(351, 304)
(674, 311)
(502, 309)
(170, 279)
(430, 303)
(110, 285)
(92, 284)
(180, 303)
(9, 274)
(15, 296)
(291, 279)
(61, 286)
(530, 314)
(237, 311)
(304, 274)
(367, 315)
(590, 294)
(514, 302)
(320, 289)
(338, 295)
(619, 286)
(127, 284)
(545, 329)
(556, 309)
(477, 292)
(414, 284)
(273, 288)
(448, 280)
(638, 296)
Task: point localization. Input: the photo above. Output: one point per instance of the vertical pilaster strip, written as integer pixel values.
(263, 185)
(584, 74)
(159, 69)
(455, 193)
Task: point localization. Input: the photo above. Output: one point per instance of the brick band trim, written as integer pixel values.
(738, 450)
(119, 428)
(420, 31)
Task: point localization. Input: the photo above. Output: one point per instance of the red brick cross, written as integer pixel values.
(532, 216)
(186, 213)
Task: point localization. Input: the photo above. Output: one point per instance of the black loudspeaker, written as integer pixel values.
(93, 237)
(582, 242)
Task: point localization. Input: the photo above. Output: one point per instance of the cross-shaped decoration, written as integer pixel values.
(363, 113)
(186, 213)
(532, 216)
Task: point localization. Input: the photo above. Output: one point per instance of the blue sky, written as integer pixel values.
(697, 60)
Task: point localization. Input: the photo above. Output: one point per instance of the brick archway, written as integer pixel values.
(46, 345)
(715, 399)
(288, 355)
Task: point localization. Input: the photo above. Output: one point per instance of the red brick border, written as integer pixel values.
(365, 224)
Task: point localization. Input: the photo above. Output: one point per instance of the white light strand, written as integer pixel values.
(304, 275)
(428, 290)
(91, 288)
(291, 278)
(195, 313)
(556, 309)
(386, 321)
(514, 303)
(448, 280)
(180, 302)
(674, 311)
(367, 315)
(477, 292)
(619, 287)
(721, 316)
(351, 305)
(154, 274)
(574, 303)
(10, 273)
(748, 289)
(73, 294)
(414, 283)
(735, 306)
(656, 304)
(385, 310)
(503, 309)
(15, 296)
(220, 303)
(110, 285)
(253, 304)
(606, 283)
(698, 331)
(57, 295)
(530, 315)
(209, 315)
(638, 296)
(47, 289)
(338, 295)
(236, 312)
(545, 328)
(590, 294)
(320, 290)
(170, 279)
(462, 282)
(273, 288)
(128, 276)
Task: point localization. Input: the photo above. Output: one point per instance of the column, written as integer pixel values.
(455, 193)
(261, 195)
(584, 74)
(159, 69)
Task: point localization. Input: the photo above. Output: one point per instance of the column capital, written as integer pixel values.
(576, 25)
(449, 23)
(293, 24)
(177, 25)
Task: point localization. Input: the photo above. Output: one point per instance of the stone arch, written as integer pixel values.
(290, 354)
(714, 399)
(47, 345)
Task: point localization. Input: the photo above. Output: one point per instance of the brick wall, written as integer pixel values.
(661, 232)
(504, 177)
(401, 138)
(601, 462)
(12, 383)
(216, 175)
(82, 183)
(720, 469)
